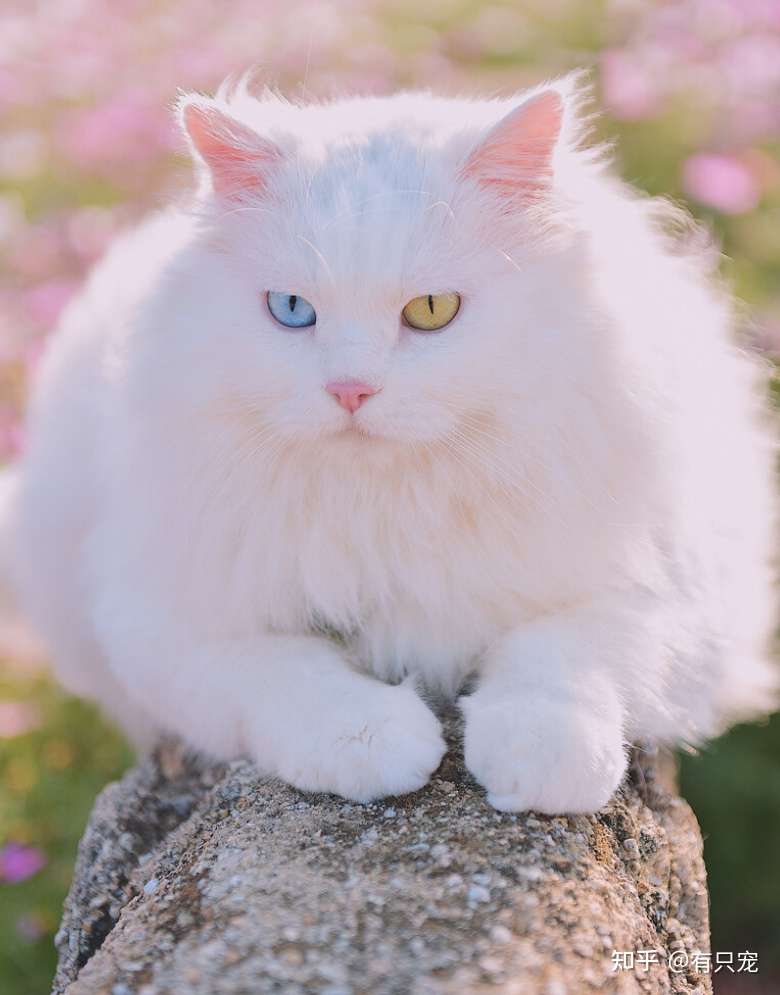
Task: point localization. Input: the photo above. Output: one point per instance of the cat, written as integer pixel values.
(409, 391)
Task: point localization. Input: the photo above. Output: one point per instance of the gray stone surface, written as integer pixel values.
(212, 881)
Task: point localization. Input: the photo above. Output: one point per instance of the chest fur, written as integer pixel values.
(410, 574)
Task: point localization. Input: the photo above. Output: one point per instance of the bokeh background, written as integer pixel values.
(691, 91)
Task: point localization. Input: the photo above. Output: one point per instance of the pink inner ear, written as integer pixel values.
(236, 156)
(517, 154)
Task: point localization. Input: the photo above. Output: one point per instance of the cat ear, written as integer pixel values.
(516, 156)
(236, 158)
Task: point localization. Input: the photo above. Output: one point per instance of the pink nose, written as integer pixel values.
(350, 393)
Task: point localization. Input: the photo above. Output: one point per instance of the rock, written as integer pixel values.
(210, 880)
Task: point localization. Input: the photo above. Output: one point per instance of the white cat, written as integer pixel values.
(411, 389)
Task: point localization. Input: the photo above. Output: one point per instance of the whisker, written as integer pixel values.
(319, 255)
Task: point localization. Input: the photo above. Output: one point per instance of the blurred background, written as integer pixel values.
(691, 91)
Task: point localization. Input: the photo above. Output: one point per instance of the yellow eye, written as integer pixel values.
(431, 311)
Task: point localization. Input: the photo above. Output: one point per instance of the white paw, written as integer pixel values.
(380, 741)
(543, 755)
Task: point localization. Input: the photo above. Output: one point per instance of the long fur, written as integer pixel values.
(567, 491)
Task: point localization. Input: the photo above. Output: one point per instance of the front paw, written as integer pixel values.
(537, 753)
(381, 741)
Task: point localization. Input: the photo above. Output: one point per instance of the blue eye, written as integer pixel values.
(291, 310)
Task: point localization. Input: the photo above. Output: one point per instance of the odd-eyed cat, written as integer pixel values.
(420, 373)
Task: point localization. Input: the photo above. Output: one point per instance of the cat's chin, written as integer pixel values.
(368, 438)
(386, 437)
(361, 434)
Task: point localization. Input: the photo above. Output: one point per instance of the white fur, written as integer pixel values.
(568, 490)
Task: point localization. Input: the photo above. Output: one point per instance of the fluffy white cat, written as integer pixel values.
(410, 389)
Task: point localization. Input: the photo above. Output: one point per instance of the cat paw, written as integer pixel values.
(385, 741)
(543, 755)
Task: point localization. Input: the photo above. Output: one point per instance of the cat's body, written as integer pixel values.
(567, 490)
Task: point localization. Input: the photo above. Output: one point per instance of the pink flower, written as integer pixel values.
(32, 353)
(724, 182)
(19, 862)
(90, 230)
(17, 718)
(128, 130)
(11, 445)
(12, 92)
(45, 302)
(628, 91)
(39, 250)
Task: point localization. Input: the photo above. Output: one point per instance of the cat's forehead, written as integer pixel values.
(376, 206)
(366, 195)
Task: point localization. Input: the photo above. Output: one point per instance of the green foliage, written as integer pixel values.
(48, 781)
(734, 788)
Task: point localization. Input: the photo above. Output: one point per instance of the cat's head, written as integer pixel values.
(385, 268)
